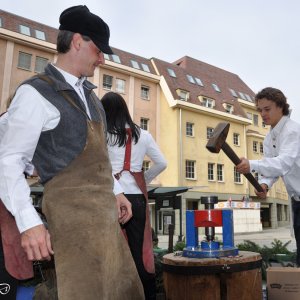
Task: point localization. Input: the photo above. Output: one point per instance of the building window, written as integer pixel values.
(198, 81)
(171, 72)
(40, 35)
(237, 176)
(242, 96)
(248, 98)
(145, 68)
(207, 102)
(216, 88)
(220, 173)
(183, 95)
(255, 146)
(209, 132)
(210, 172)
(190, 169)
(145, 92)
(249, 116)
(144, 123)
(236, 139)
(116, 58)
(135, 64)
(106, 56)
(24, 29)
(107, 82)
(24, 61)
(189, 129)
(190, 79)
(146, 165)
(228, 108)
(261, 148)
(40, 64)
(233, 93)
(255, 119)
(0, 22)
(120, 85)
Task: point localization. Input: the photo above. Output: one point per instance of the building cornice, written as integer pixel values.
(27, 40)
(109, 65)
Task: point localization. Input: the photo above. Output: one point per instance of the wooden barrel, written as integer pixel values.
(225, 278)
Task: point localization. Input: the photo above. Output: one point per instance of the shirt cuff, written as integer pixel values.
(117, 187)
(27, 218)
(254, 166)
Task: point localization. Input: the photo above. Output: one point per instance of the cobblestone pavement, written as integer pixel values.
(267, 236)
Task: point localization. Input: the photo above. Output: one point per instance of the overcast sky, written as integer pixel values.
(256, 39)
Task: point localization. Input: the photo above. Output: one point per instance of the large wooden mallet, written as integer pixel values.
(217, 142)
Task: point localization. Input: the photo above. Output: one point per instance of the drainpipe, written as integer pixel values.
(180, 148)
(246, 155)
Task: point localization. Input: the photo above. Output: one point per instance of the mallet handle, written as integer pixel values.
(235, 159)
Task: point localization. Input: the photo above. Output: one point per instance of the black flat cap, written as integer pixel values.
(79, 19)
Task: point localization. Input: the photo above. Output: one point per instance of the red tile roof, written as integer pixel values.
(11, 22)
(209, 75)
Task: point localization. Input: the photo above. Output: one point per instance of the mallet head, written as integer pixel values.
(216, 142)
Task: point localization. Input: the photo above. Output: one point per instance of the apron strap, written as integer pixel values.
(127, 158)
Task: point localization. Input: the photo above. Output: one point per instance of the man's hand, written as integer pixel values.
(244, 166)
(262, 195)
(36, 243)
(124, 208)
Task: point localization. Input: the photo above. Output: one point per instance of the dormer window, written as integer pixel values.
(24, 29)
(242, 96)
(40, 35)
(135, 64)
(228, 108)
(183, 95)
(116, 58)
(171, 72)
(233, 93)
(190, 78)
(145, 68)
(198, 81)
(207, 102)
(216, 88)
(248, 97)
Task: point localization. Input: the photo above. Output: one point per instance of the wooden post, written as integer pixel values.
(171, 235)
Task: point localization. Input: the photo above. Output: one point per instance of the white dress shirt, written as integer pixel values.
(145, 146)
(281, 156)
(28, 115)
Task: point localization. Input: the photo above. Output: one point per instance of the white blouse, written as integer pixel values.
(146, 146)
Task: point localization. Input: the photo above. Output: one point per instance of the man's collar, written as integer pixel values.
(278, 127)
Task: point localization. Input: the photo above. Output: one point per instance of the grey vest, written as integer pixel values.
(56, 148)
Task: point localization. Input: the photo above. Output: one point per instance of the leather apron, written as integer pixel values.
(15, 258)
(92, 258)
(148, 257)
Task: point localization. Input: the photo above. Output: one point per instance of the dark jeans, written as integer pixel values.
(296, 220)
(8, 284)
(135, 234)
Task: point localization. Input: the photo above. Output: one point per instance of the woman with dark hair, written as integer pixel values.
(128, 145)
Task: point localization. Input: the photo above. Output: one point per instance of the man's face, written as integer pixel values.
(269, 111)
(90, 57)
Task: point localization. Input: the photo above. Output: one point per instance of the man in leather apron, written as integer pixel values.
(57, 121)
